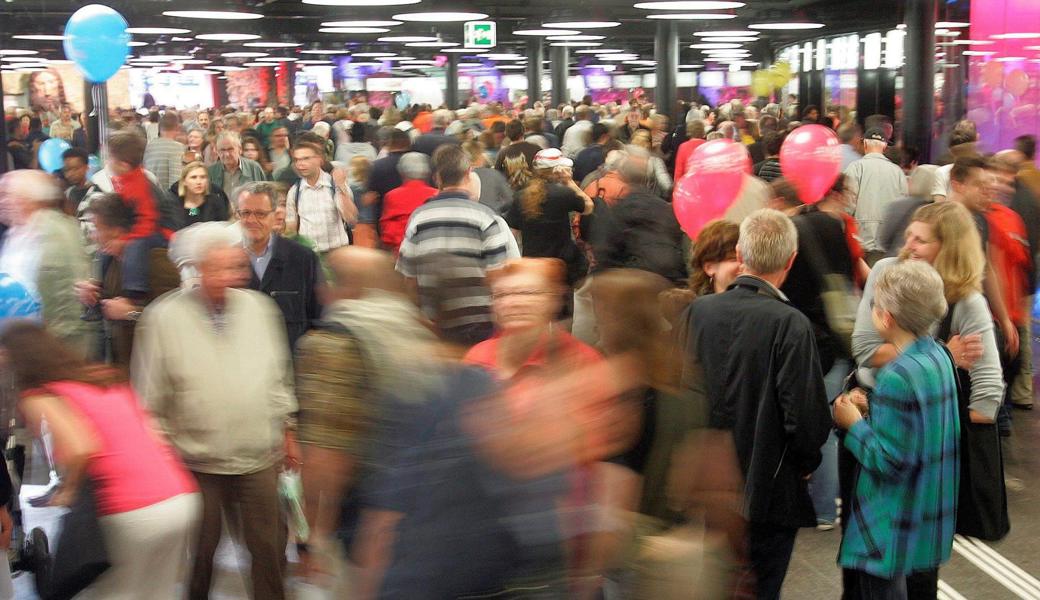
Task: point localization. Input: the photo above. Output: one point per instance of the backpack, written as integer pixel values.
(296, 200)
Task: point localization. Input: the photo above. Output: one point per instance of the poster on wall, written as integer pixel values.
(182, 89)
(61, 84)
(250, 88)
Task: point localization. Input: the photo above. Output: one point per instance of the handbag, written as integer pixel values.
(81, 555)
(982, 500)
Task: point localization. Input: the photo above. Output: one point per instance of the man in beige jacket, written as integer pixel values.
(212, 365)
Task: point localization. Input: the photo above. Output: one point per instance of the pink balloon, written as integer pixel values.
(811, 160)
(712, 182)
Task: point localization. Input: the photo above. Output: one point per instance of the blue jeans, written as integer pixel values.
(823, 486)
(135, 263)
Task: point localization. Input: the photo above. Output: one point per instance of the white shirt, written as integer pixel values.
(874, 182)
(941, 185)
(317, 214)
(574, 139)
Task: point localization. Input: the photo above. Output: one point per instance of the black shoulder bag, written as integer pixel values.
(982, 501)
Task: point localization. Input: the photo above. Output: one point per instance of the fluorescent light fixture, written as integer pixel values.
(546, 31)
(195, 61)
(228, 68)
(512, 67)
(691, 66)
(407, 38)
(602, 67)
(149, 64)
(440, 17)
(1010, 59)
(470, 65)
(133, 44)
(465, 50)
(374, 54)
(437, 44)
(353, 30)
(645, 63)
(946, 33)
(166, 57)
(786, 26)
(731, 39)
(23, 59)
(894, 49)
(366, 64)
(728, 32)
(951, 25)
(228, 37)
(16, 52)
(600, 51)
(180, 39)
(258, 64)
(618, 57)
(325, 51)
(503, 56)
(39, 37)
(244, 54)
(156, 30)
(974, 42)
(713, 46)
(575, 38)
(272, 44)
(690, 5)
(360, 23)
(201, 71)
(693, 16)
(872, 51)
(1004, 36)
(582, 24)
(575, 44)
(224, 15)
(361, 2)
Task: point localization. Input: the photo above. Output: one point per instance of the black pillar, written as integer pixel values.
(666, 53)
(919, 76)
(451, 90)
(534, 69)
(558, 69)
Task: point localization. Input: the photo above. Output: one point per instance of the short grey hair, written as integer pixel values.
(230, 136)
(414, 165)
(190, 246)
(442, 118)
(257, 188)
(768, 240)
(36, 187)
(912, 292)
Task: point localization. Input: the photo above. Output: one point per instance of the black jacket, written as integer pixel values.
(291, 280)
(427, 143)
(645, 235)
(751, 359)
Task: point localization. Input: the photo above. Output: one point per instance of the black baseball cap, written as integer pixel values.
(877, 134)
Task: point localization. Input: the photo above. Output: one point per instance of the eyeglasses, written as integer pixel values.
(248, 214)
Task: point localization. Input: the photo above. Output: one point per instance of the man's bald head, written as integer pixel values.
(355, 269)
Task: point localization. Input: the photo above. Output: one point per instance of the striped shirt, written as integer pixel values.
(904, 506)
(453, 225)
(315, 209)
(164, 158)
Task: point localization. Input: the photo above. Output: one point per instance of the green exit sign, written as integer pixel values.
(480, 34)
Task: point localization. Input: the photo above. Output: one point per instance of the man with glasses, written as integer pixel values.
(283, 269)
(233, 169)
(319, 206)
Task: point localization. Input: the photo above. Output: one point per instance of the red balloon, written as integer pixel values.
(811, 160)
(714, 177)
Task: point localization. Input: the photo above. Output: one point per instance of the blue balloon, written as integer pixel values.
(403, 100)
(16, 302)
(93, 165)
(97, 41)
(50, 154)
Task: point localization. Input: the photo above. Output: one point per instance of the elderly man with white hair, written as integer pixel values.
(427, 143)
(753, 367)
(212, 365)
(874, 182)
(232, 169)
(44, 251)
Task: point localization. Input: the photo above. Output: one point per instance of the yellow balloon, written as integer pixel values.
(784, 68)
(778, 79)
(761, 84)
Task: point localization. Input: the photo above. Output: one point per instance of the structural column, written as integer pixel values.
(534, 70)
(558, 69)
(451, 90)
(666, 53)
(919, 76)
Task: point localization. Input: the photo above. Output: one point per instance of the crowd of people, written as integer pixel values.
(498, 364)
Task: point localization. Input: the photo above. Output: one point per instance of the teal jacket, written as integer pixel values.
(904, 504)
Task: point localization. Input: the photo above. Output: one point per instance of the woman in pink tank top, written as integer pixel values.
(147, 501)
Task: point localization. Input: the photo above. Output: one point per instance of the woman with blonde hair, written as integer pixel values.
(541, 212)
(943, 234)
(199, 200)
